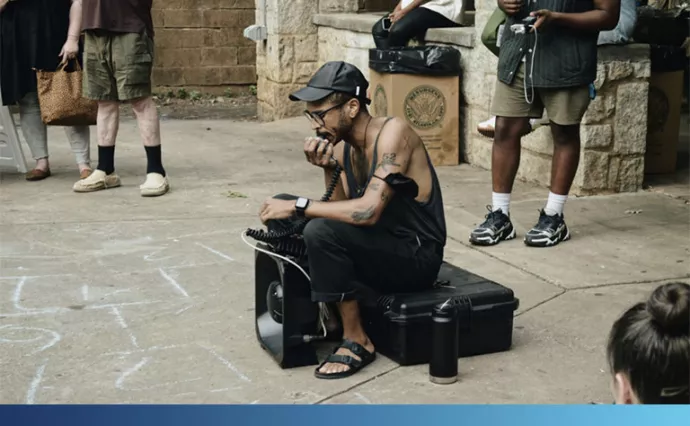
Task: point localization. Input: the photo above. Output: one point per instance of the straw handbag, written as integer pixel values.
(60, 99)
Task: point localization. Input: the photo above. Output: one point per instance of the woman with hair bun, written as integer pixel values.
(649, 349)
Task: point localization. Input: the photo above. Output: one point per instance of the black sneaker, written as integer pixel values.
(496, 228)
(549, 231)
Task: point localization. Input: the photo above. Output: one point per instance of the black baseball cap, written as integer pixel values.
(336, 76)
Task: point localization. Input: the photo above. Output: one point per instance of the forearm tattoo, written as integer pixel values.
(360, 216)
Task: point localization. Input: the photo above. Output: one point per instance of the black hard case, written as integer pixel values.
(400, 324)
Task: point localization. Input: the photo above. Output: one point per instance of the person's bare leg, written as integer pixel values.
(107, 125)
(566, 157)
(147, 119)
(505, 155)
(149, 127)
(352, 330)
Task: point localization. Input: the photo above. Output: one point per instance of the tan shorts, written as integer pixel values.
(117, 66)
(563, 106)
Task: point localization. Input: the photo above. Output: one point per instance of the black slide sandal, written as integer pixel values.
(354, 364)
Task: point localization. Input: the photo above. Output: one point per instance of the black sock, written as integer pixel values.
(106, 159)
(154, 162)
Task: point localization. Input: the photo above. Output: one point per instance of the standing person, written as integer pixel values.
(118, 64)
(412, 18)
(39, 34)
(555, 75)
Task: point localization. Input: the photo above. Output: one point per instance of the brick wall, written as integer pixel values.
(200, 46)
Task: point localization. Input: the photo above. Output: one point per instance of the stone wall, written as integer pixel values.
(200, 45)
(289, 57)
(614, 128)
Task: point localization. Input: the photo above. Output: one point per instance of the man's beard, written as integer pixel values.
(336, 135)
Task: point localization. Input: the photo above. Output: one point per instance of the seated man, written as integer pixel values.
(384, 229)
(411, 18)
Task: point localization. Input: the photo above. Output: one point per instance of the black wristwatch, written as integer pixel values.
(301, 205)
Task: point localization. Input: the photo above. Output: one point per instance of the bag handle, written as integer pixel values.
(63, 64)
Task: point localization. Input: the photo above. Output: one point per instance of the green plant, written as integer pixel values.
(252, 90)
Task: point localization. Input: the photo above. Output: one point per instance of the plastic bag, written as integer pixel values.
(419, 60)
(667, 58)
(662, 27)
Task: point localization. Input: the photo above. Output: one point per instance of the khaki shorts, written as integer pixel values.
(117, 66)
(563, 106)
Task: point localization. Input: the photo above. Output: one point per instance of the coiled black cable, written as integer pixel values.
(284, 240)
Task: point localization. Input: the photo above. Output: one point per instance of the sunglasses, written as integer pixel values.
(317, 116)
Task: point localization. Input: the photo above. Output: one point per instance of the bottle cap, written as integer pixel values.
(447, 308)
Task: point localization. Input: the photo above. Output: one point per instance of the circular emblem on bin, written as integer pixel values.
(658, 110)
(425, 107)
(380, 102)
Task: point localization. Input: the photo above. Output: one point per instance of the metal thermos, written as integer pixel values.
(443, 366)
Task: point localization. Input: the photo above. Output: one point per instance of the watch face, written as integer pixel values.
(301, 203)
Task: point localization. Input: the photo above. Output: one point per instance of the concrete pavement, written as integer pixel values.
(112, 298)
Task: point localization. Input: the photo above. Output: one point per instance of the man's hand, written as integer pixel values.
(510, 7)
(543, 16)
(397, 15)
(319, 152)
(70, 49)
(276, 209)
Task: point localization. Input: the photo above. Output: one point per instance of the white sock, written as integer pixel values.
(555, 204)
(501, 202)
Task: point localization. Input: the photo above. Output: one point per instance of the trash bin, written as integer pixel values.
(664, 105)
(422, 85)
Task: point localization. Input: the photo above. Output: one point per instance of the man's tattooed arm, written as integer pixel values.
(394, 153)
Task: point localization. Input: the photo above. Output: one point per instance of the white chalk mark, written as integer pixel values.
(174, 283)
(185, 394)
(228, 364)
(122, 290)
(85, 292)
(362, 397)
(138, 351)
(120, 380)
(165, 385)
(256, 401)
(225, 389)
(17, 297)
(123, 324)
(183, 309)
(223, 255)
(150, 257)
(119, 305)
(33, 387)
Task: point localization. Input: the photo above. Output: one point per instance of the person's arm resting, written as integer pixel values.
(394, 157)
(74, 30)
(604, 17)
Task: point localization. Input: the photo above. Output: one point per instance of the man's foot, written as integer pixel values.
(549, 231)
(488, 128)
(349, 358)
(156, 184)
(496, 228)
(97, 181)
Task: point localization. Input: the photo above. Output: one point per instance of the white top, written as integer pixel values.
(451, 9)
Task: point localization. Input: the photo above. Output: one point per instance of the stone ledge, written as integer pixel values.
(362, 23)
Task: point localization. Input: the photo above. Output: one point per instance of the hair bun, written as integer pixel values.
(669, 306)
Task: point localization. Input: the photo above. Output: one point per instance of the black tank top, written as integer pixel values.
(405, 216)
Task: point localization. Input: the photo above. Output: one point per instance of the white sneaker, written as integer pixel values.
(97, 181)
(156, 184)
(487, 128)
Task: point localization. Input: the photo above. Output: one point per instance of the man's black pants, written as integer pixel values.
(348, 262)
(414, 24)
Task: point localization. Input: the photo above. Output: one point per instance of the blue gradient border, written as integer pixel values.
(345, 415)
